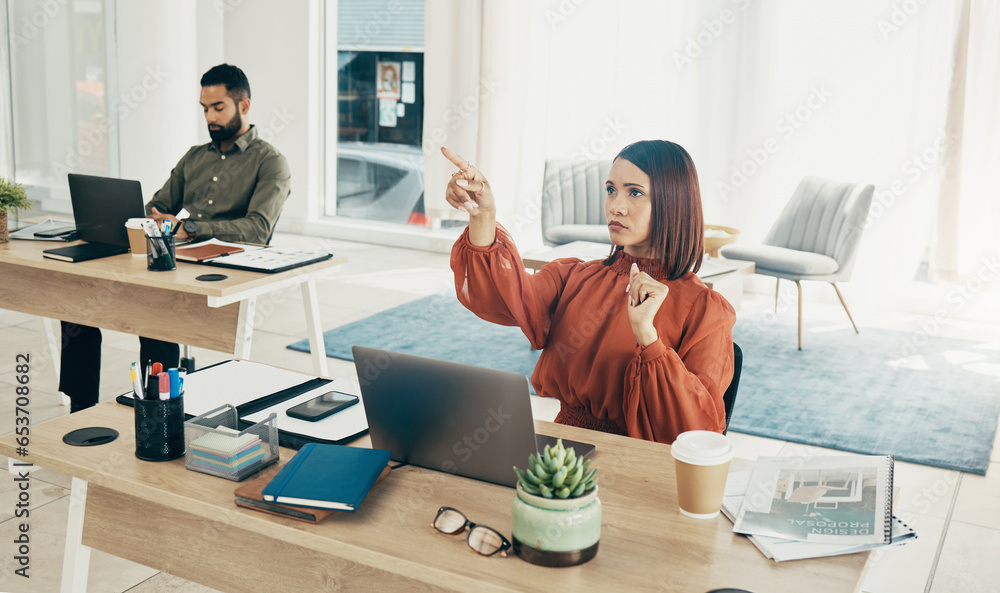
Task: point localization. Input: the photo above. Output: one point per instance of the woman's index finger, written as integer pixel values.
(452, 156)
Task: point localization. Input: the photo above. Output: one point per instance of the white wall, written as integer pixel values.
(276, 45)
(157, 99)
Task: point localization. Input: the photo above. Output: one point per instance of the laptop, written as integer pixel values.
(101, 205)
(456, 418)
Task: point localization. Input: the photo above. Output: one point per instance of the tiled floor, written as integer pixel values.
(957, 516)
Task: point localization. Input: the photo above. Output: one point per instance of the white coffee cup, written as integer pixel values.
(136, 236)
(701, 460)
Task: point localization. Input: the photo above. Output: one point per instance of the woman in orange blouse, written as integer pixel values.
(634, 344)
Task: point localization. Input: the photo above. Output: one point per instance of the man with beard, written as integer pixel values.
(233, 189)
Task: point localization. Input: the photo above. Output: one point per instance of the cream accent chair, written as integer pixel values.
(816, 237)
(573, 201)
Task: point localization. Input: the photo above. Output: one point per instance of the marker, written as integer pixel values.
(157, 368)
(164, 386)
(136, 381)
(181, 375)
(152, 387)
(175, 382)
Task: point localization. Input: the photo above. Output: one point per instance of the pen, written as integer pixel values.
(136, 382)
(164, 386)
(149, 369)
(175, 382)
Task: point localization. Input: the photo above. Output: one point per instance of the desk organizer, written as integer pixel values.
(216, 446)
(159, 429)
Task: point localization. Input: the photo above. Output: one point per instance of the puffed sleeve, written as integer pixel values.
(492, 283)
(670, 391)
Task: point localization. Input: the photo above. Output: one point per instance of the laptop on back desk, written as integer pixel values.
(101, 205)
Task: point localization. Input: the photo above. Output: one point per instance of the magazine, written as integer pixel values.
(825, 499)
(786, 549)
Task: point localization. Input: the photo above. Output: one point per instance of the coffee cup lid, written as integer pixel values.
(702, 447)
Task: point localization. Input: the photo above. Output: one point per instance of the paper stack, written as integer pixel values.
(225, 450)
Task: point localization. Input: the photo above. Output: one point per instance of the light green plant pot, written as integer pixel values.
(556, 531)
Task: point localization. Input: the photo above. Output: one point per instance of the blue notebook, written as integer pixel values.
(327, 477)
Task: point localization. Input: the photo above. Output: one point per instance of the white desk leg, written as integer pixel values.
(244, 333)
(76, 562)
(317, 347)
(51, 337)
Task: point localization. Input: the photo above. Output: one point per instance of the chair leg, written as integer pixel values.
(844, 303)
(777, 281)
(798, 286)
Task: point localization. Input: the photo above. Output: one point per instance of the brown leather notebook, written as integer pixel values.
(197, 253)
(250, 496)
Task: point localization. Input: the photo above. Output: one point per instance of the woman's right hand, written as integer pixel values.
(468, 189)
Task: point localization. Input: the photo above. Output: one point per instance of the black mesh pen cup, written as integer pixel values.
(160, 253)
(159, 429)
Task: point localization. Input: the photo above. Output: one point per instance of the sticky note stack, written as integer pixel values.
(225, 450)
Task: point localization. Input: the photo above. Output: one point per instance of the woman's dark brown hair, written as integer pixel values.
(676, 227)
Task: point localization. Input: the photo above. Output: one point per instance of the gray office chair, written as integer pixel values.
(573, 201)
(729, 397)
(815, 238)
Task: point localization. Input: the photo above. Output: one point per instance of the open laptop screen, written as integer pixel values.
(457, 418)
(101, 205)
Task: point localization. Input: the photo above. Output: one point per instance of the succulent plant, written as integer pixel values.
(557, 473)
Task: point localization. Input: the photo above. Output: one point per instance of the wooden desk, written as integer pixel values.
(729, 284)
(119, 293)
(198, 533)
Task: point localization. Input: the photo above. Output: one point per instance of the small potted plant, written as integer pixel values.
(556, 514)
(12, 197)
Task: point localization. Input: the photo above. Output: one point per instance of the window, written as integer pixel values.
(379, 86)
(59, 93)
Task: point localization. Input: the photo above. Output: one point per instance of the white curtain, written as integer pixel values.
(760, 92)
(482, 94)
(967, 242)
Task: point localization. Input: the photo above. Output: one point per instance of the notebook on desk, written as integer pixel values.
(461, 419)
(101, 205)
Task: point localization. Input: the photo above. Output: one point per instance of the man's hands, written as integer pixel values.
(159, 217)
(645, 296)
(468, 190)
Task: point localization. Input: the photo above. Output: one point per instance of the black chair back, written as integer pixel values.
(729, 398)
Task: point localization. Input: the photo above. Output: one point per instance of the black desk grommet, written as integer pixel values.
(211, 277)
(90, 436)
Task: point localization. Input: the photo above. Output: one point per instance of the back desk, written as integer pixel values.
(186, 523)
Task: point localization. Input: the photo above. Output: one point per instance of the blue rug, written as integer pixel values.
(438, 327)
(925, 399)
(922, 398)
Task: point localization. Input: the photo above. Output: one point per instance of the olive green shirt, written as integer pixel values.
(233, 196)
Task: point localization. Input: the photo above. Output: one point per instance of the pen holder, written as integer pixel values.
(159, 429)
(160, 254)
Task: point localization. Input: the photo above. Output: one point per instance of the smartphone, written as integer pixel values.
(320, 407)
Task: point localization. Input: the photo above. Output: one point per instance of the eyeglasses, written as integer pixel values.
(484, 540)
